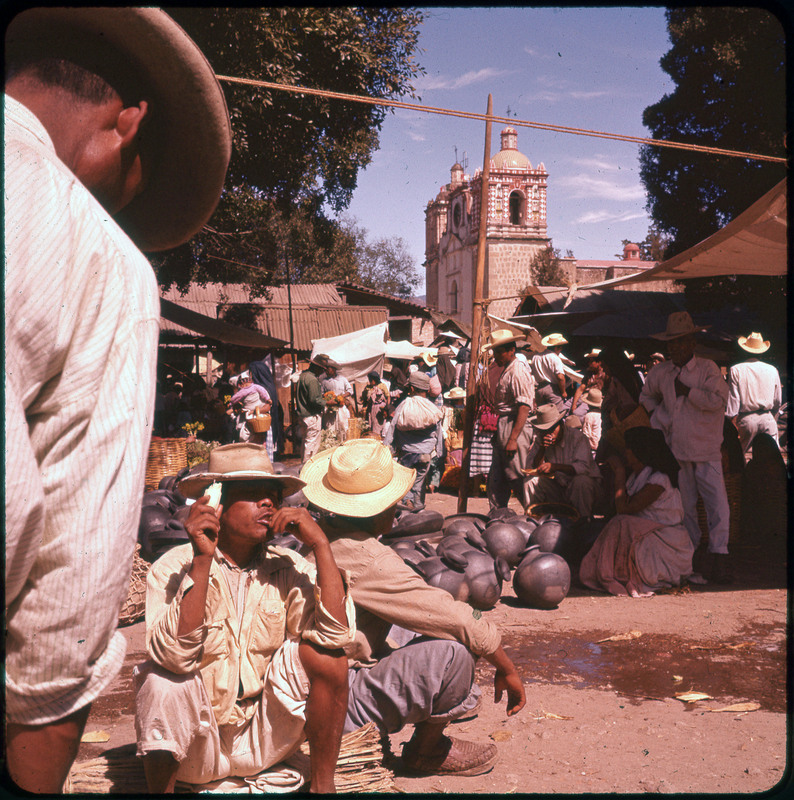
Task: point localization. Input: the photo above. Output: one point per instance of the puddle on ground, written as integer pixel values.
(643, 668)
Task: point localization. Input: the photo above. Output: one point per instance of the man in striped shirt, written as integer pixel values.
(108, 111)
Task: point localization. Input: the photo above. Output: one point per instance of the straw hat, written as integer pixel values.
(189, 128)
(679, 323)
(501, 336)
(656, 357)
(429, 358)
(553, 340)
(754, 343)
(455, 393)
(593, 397)
(356, 479)
(594, 353)
(242, 461)
(444, 350)
(547, 416)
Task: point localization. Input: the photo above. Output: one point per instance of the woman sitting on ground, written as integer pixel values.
(646, 547)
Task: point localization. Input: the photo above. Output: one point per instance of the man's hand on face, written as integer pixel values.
(299, 523)
(202, 526)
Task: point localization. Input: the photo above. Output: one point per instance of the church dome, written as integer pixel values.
(509, 157)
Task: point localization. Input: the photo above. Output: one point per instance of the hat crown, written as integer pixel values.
(754, 343)
(360, 466)
(420, 380)
(553, 340)
(547, 414)
(680, 323)
(239, 457)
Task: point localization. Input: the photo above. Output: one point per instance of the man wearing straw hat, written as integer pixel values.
(117, 137)
(547, 369)
(754, 394)
(513, 388)
(243, 636)
(686, 397)
(414, 654)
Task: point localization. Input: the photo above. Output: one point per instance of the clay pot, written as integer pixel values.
(542, 581)
(554, 535)
(532, 551)
(446, 572)
(480, 520)
(157, 541)
(454, 544)
(505, 540)
(153, 517)
(160, 497)
(425, 522)
(525, 524)
(501, 513)
(461, 526)
(485, 576)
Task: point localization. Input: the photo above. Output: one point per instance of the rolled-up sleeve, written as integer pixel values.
(523, 384)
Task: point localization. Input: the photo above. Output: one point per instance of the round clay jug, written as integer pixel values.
(160, 497)
(485, 576)
(446, 572)
(461, 526)
(542, 581)
(425, 521)
(501, 513)
(480, 520)
(504, 539)
(553, 535)
(525, 524)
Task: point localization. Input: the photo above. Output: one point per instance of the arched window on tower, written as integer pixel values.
(516, 208)
(453, 297)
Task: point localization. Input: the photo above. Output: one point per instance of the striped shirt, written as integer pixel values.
(81, 331)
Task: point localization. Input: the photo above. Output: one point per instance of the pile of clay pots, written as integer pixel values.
(475, 554)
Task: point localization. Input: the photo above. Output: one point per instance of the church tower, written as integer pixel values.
(515, 232)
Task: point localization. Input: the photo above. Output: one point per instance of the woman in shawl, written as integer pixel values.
(646, 546)
(445, 369)
(375, 400)
(261, 374)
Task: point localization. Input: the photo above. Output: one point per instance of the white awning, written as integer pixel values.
(357, 353)
(754, 243)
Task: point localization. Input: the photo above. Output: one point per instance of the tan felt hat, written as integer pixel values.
(187, 130)
(553, 340)
(754, 343)
(242, 461)
(546, 416)
(593, 397)
(501, 336)
(455, 393)
(356, 479)
(679, 323)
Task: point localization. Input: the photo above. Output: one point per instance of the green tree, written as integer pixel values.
(545, 268)
(294, 155)
(384, 264)
(729, 69)
(653, 247)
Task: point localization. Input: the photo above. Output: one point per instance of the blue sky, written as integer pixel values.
(594, 68)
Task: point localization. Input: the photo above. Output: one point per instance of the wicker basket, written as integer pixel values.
(135, 604)
(557, 509)
(733, 486)
(166, 457)
(259, 423)
(354, 426)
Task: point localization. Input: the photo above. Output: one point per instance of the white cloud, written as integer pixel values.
(416, 137)
(587, 95)
(467, 79)
(587, 186)
(600, 217)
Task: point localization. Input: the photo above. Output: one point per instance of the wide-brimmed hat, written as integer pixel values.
(553, 340)
(656, 357)
(572, 421)
(187, 130)
(679, 323)
(242, 461)
(429, 358)
(455, 393)
(500, 337)
(356, 479)
(594, 353)
(420, 380)
(593, 397)
(754, 343)
(546, 416)
(444, 350)
(325, 361)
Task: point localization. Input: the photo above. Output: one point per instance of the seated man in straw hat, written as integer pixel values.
(429, 680)
(512, 388)
(243, 637)
(754, 393)
(116, 138)
(562, 468)
(686, 398)
(547, 369)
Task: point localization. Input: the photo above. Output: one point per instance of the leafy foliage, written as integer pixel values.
(545, 268)
(728, 64)
(293, 155)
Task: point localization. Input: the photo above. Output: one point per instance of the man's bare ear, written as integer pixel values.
(130, 121)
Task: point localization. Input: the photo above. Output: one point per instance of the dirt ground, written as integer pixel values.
(601, 713)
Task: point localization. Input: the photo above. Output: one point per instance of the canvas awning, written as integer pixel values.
(216, 329)
(754, 243)
(357, 353)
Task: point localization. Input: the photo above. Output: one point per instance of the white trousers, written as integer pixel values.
(750, 425)
(705, 478)
(311, 427)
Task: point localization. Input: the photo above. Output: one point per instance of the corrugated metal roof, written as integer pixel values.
(317, 322)
(319, 294)
(395, 304)
(596, 263)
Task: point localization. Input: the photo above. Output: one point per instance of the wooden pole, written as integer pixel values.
(476, 319)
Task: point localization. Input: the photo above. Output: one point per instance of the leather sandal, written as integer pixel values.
(452, 757)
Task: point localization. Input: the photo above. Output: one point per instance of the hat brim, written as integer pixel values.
(194, 485)
(491, 345)
(189, 122)
(367, 504)
(756, 350)
(544, 426)
(547, 343)
(666, 337)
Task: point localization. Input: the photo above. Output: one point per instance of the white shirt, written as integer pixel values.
(692, 425)
(753, 386)
(667, 509)
(338, 385)
(547, 367)
(81, 326)
(591, 428)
